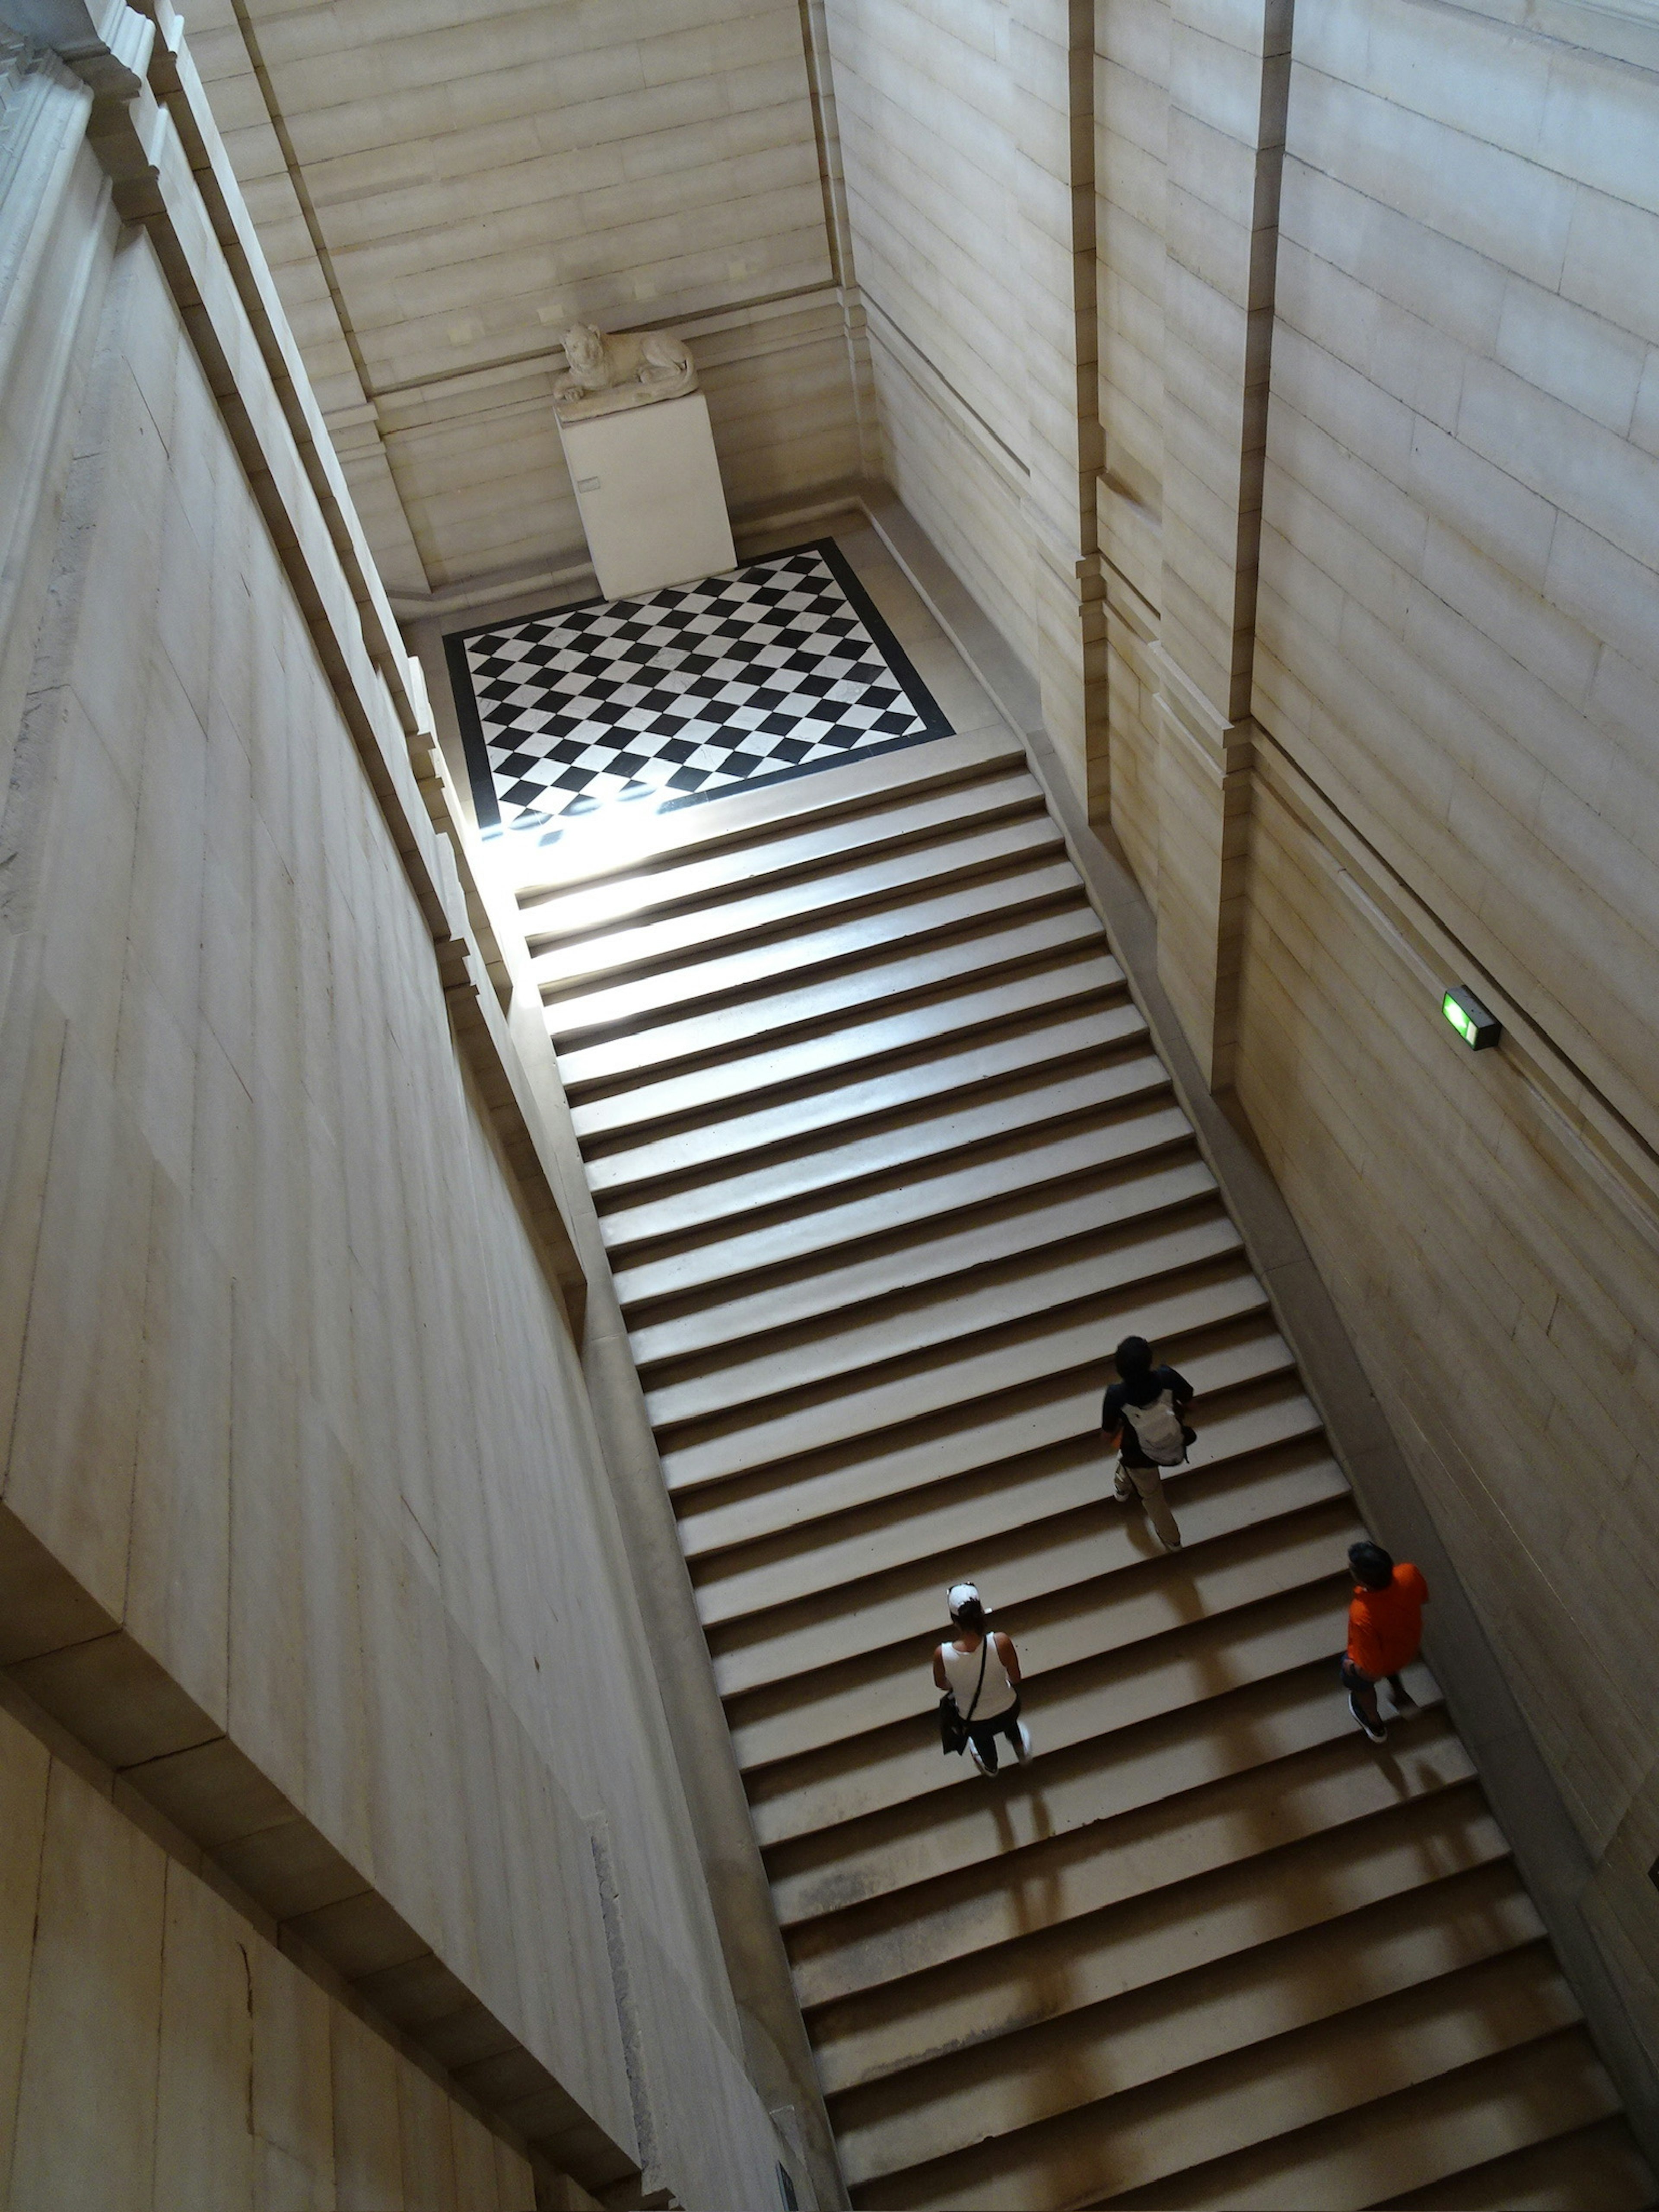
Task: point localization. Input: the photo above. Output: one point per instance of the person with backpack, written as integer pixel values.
(1141, 1419)
(978, 1672)
(1385, 1632)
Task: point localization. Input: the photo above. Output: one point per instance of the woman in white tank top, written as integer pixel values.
(980, 1668)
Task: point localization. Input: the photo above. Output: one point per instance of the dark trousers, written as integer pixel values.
(985, 1734)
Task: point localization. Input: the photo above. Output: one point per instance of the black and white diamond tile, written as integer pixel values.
(783, 666)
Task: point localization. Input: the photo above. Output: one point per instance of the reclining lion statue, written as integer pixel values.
(624, 371)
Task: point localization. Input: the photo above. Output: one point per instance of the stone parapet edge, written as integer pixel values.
(157, 155)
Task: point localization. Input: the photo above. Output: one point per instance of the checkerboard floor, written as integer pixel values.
(783, 666)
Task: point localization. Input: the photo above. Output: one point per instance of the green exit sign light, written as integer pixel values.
(1477, 1028)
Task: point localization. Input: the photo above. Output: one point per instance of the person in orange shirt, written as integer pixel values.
(1385, 1629)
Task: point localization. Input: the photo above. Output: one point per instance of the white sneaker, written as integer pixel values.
(973, 1754)
(1023, 1751)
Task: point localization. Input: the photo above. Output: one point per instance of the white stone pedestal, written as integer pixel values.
(649, 486)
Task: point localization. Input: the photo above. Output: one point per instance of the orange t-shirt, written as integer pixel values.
(1385, 1626)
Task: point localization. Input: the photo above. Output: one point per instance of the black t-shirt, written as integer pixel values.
(1119, 1395)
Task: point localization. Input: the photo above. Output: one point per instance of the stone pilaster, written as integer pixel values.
(1052, 53)
(1204, 803)
(1229, 74)
(838, 228)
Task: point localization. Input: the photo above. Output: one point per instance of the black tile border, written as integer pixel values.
(927, 708)
(485, 804)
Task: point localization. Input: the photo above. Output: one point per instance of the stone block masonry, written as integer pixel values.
(307, 1535)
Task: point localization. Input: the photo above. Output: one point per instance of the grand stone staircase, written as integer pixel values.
(886, 1164)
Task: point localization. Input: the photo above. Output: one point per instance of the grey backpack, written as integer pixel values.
(1159, 1431)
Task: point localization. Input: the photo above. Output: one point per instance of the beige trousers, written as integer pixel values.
(1147, 1483)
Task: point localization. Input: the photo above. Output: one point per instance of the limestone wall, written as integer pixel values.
(1377, 377)
(156, 2049)
(1457, 665)
(306, 1531)
(969, 177)
(1132, 70)
(441, 199)
(1504, 1303)
(1465, 450)
(926, 103)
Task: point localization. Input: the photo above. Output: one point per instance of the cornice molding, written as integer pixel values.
(105, 46)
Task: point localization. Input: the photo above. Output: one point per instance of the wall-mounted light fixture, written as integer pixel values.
(1472, 1023)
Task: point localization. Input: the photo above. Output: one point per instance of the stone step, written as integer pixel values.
(943, 1839)
(1056, 1623)
(741, 819)
(762, 918)
(885, 1165)
(977, 1238)
(606, 911)
(926, 1200)
(1416, 1931)
(1258, 2090)
(1077, 1337)
(1034, 1285)
(864, 1163)
(997, 1438)
(834, 1054)
(989, 947)
(881, 1982)
(902, 925)
(1047, 1517)
(1516, 2097)
(845, 1106)
(1077, 1705)
(1596, 2167)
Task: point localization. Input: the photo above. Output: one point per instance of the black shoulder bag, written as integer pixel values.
(953, 1726)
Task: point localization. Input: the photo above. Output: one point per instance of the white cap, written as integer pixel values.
(962, 1594)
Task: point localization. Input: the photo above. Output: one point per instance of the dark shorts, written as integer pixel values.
(1354, 1679)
